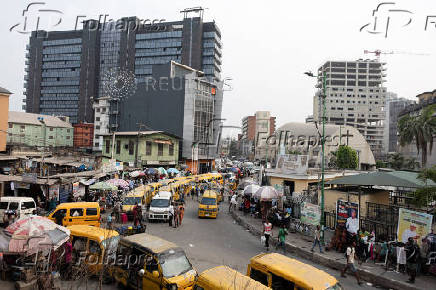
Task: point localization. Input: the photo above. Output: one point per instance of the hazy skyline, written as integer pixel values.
(266, 47)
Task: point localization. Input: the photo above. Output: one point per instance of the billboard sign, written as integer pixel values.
(413, 224)
(347, 214)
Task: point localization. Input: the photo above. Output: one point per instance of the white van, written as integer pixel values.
(21, 205)
(160, 206)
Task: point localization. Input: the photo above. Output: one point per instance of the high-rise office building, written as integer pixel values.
(187, 105)
(394, 106)
(355, 96)
(256, 129)
(67, 70)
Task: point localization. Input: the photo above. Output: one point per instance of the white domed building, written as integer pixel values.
(305, 139)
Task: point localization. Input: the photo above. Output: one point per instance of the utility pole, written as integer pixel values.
(137, 142)
(323, 97)
(323, 101)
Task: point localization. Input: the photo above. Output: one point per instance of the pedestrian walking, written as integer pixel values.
(282, 238)
(117, 211)
(135, 214)
(412, 255)
(233, 203)
(171, 215)
(181, 213)
(66, 269)
(317, 239)
(176, 217)
(351, 255)
(109, 220)
(192, 192)
(267, 231)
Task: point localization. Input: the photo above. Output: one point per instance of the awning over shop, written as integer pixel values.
(88, 182)
(19, 178)
(379, 178)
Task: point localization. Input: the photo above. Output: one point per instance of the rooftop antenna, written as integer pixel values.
(199, 10)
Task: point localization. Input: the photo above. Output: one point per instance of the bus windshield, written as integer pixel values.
(160, 203)
(208, 201)
(132, 200)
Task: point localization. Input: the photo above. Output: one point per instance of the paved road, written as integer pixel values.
(213, 242)
(210, 242)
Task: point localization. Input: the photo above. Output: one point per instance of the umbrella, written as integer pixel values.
(118, 182)
(162, 171)
(173, 170)
(251, 189)
(32, 234)
(136, 173)
(103, 186)
(151, 171)
(246, 182)
(234, 169)
(266, 193)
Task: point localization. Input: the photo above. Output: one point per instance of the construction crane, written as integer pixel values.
(378, 53)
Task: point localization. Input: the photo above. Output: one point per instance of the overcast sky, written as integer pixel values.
(267, 45)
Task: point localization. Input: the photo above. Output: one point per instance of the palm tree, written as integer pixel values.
(396, 161)
(421, 129)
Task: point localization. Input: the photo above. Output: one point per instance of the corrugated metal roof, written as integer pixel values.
(135, 133)
(29, 118)
(379, 178)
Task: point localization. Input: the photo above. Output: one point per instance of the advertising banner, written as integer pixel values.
(347, 214)
(413, 224)
(310, 214)
(53, 192)
(290, 163)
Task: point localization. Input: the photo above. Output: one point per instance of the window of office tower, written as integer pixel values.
(203, 114)
(109, 53)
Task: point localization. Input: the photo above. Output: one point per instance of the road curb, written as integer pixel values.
(330, 262)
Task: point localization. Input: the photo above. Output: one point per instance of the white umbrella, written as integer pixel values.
(251, 189)
(266, 193)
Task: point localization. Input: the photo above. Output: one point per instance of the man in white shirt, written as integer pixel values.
(352, 223)
(171, 215)
(233, 203)
(351, 252)
(409, 233)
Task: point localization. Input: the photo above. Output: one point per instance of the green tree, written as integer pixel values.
(396, 161)
(425, 195)
(420, 129)
(346, 157)
(380, 164)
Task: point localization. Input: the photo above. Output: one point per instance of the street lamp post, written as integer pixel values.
(323, 97)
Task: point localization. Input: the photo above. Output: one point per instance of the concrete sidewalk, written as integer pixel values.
(301, 245)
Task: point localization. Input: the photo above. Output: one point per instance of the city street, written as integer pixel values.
(209, 243)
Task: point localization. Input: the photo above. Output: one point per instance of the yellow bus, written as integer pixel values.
(93, 245)
(208, 206)
(280, 272)
(154, 264)
(225, 278)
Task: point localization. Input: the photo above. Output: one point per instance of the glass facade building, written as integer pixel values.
(66, 70)
(61, 77)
